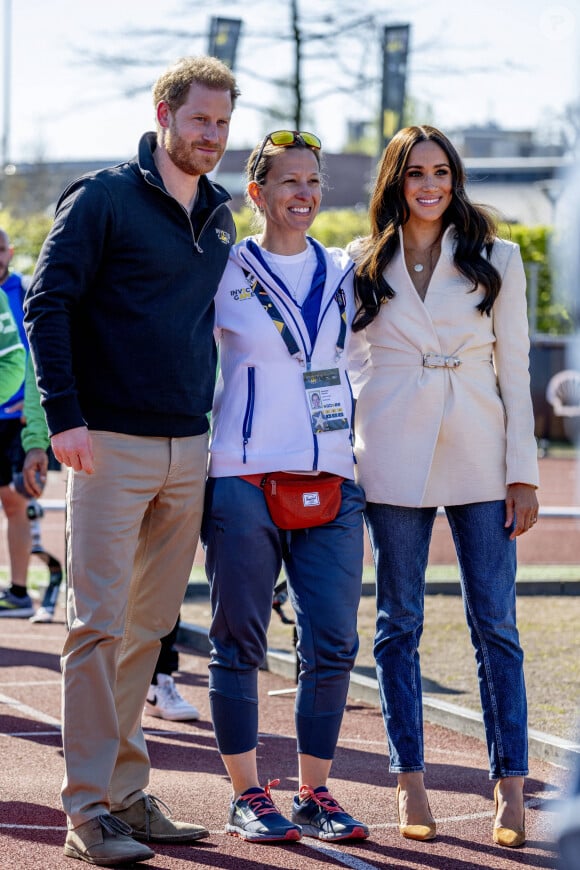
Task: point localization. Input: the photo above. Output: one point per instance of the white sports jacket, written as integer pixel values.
(262, 416)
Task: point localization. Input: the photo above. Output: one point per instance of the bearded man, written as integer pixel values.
(120, 318)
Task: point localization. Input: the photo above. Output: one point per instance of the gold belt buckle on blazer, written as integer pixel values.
(438, 361)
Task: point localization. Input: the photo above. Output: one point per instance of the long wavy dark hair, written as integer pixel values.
(476, 227)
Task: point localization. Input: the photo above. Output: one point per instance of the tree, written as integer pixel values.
(571, 128)
(302, 58)
(560, 131)
(320, 51)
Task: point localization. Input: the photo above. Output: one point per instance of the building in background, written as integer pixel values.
(505, 168)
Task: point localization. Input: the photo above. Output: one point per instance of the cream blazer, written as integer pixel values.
(427, 437)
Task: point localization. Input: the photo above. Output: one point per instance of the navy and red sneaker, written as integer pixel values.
(255, 817)
(320, 816)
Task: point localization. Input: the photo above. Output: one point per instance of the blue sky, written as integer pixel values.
(509, 61)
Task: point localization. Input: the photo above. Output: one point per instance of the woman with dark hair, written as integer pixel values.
(444, 418)
(282, 315)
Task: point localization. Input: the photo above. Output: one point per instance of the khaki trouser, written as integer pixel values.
(132, 532)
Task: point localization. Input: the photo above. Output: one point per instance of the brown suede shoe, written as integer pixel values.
(150, 824)
(105, 841)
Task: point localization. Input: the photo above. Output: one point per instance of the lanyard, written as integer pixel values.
(270, 308)
(310, 308)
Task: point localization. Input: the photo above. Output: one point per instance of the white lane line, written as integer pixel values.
(30, 735)
(32, 683)
(29, 711)
(347, 860)
(266, 735)
(532, 803)
(340, 857)
(359, 741)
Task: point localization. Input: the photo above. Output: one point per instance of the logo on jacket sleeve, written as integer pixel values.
(223, 236)
(247, 292)
(242, 293)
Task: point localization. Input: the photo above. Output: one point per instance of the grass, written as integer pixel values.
(37, 577)
(525, 572)
(38, 574)
(548, 630)
(451, 572)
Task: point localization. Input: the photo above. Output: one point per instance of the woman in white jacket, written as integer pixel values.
(444, 418)
(282, 311)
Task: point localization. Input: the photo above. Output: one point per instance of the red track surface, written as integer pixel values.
(188, 775)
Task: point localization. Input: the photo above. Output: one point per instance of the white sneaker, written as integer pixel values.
(165, 702)
(42, 615)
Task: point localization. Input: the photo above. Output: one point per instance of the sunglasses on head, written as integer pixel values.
(285, 138)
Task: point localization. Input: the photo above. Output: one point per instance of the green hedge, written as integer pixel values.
(554, 302)
(554, 309)
(27, 236)
(336, 228)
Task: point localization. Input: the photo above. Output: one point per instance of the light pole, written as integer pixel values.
(552, 188)
(7, 70)
(7, 65)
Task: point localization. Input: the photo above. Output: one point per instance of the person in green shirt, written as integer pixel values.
(12, 364)
(12, 353)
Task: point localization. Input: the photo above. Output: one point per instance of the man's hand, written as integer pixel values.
(521, 502)
(34, 471)
(74, 448)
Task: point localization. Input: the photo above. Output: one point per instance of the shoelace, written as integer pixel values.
(261, 803)
(323, 799)
(152, 803)
(172, 693)
(114, 826)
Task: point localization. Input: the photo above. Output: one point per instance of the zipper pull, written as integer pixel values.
(273, 485)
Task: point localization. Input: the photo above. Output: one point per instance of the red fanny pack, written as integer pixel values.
(300, 501)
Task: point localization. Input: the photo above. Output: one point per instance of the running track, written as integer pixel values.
(187, 774)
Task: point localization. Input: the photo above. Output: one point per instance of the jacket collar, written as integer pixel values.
(338, 263)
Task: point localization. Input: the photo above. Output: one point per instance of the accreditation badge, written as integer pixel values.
(324, 394)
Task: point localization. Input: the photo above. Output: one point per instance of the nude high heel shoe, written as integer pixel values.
(511, 837)
(426, 831)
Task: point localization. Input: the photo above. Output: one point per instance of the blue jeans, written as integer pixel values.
(400, 540)
(245, 552)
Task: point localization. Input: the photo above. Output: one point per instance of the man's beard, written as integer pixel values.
(185, 156)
